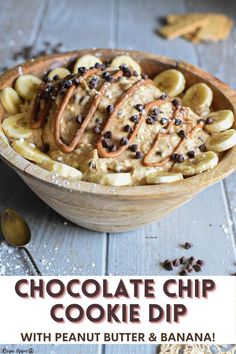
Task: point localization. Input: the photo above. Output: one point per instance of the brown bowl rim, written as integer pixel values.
(196, 183)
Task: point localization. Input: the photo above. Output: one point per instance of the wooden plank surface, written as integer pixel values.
(66, 249)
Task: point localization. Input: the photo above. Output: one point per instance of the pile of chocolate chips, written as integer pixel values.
(188, 265)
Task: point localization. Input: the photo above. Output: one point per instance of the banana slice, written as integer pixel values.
(198, 97)
(125, 59)
(170, 81)
(61, 72)
(27, 85)
(61, 169)
(88, 61)
(219, 121)
(10, 100)
(17, 126)
(221, 141)
(203, 162)
(111, 179)
(3, 136)
(28, 152)
(163, 177)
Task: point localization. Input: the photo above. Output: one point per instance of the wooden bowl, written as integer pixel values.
(117, 209)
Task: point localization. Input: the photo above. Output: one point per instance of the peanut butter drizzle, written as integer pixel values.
(38, 116)
(71, 147)
(102, 152)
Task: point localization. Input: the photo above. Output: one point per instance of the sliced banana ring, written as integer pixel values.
(111, 179)
(88, 61)
(17, 126)
(125, 59)
(170, 81)
(27, 85)
(221, 141)
(198, 97)
(61, 169)
(163, 177)
(60, 72)
(203, 162)
(24, 149)
(219, 121)
(10, 100)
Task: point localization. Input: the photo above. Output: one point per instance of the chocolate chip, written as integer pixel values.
(202, 148)
(110, 108)
(45, 148)
(197, 267)
(56, 77)
(79, 118)
(93, 82)
(128, 129)
(200, 262)
(183, 260)
(178, 121)
(138, 155)
(163, 97)
(150, 121)
(108, 134)
(182, 134)
(105, 143)
(127, 73)
(188, 245)
(135, 73)
(124, 141)
(82, 69)
(175, 102)
(164, 120)
(189, 269)
(112, 148)
(139, 107)
(191, 154)
(123, 67)
(134, 119)
(108, 77)
(133, 147)
(168, 265)
(191, 260)
(98, 65)
(67, 83)
(156, 111)
(76, 81)
(183, 272)
(144, 76)
(200, 121)
(178, 157)
(97, 129)
(154, 117)
(176, 262)
(209, 120)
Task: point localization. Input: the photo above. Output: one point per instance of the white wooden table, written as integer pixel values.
(208, 221)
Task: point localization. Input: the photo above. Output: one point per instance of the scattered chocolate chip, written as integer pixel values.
(135, 73)
(156, 111)
(82, 70)
(176, 262)
(191, 260)
(123, 67)
(150, 121)
(108, 77)
(79, 118)
(188, 245)
(139, 107)
(209, 120)
(56, 77)
(128, 129)
(124, 141)
(168, 265)
(200, 121)
(191, 154)
(182, 134)
(189, 269)
(97, 129)
(202, 148)
(112, 148)
(164, 96)
(105, 143)
(134, 119)
(175, 102)
(183, 272)
(178, 121)
(144, 76)
(200, 262)
(133, 147)
(178, 157)
(197, 267)
(45, 148)
(98, 65)
(93, 82)
(127, 73)
(138, 155)
(164, 120)
(183, 260)
(110, 108)
(67, 84)
(108, 134)
(76, 81)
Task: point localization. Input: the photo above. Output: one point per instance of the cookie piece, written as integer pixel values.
(182, 25)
